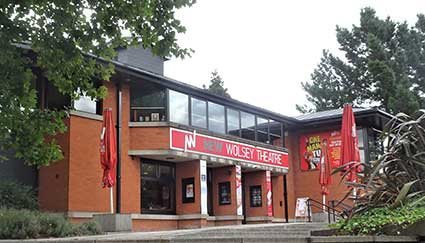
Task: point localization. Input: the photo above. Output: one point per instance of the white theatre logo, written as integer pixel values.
(190, 141)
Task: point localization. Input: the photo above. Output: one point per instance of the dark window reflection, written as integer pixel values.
(148, 102)
(275, 133)
(157, 187)
(262, 130)
(199, 113)
(248, 125)
(233, 124)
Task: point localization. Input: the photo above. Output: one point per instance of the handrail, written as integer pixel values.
(345, 208)
(329, 209)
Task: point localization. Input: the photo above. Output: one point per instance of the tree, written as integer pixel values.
(216, 85)
(383, 65)
(60, 35)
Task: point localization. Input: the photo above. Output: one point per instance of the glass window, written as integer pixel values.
(147, 102)
(359, 135)
(248, 125)
(179, 107)
(148, 170)
(157, 189)
(216, 117)
(233, 124)
(199, 113)
(86, 104)
(275, 133)
(262, 130)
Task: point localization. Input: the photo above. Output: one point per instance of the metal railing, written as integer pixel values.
(333, 210)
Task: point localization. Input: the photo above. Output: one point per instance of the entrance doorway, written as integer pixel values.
(243, 198)
(210, 201)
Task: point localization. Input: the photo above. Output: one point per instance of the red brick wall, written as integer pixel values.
(277, 197)
(224, 174)
(254, 179)
(149, 138)
(53, 179)
(85, 172)
(306, 183)
(188, 170)
(152, 225)
(130, 169)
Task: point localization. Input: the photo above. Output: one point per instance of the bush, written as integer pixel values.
(18, 224)
(17, 196)
(384, 220)
(22, 224)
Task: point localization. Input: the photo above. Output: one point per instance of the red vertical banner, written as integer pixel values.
(269, 193)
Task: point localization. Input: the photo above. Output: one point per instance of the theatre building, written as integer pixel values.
(188, 158)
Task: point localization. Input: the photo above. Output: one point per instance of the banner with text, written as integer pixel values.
(311, 149)
(202, 144)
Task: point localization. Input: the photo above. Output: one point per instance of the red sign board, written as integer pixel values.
(311, 149)
(203, 144)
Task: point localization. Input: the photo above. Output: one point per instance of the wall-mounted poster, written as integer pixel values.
(224, 193)
(311, 149)
(255, 196)
(188, 190)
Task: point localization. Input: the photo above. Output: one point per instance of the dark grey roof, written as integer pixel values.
(337, 113)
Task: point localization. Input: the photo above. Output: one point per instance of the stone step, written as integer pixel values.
(243, 240)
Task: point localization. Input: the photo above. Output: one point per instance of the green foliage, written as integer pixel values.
(23, 224)
(385, 220)
(382, 64)
(17, 196)
(399, 174)
(217, 85)
(392, 188)
(57, 37)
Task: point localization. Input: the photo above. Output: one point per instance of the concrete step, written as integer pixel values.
(243, 240)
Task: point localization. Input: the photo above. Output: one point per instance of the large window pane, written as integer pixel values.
(248, 125)
(233, 124)
(148, 102)
(179, 107)
(199, 113)
(275, 133)
(157, 189)
(216, 117)
(262, 130)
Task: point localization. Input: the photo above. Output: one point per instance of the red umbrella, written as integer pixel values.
(325, 178)
(349, 146)
(108, 152)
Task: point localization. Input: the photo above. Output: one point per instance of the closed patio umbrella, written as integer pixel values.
(349, 147)
(108, 153)
(325, 178)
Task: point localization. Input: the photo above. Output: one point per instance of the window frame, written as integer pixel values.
(157, 178)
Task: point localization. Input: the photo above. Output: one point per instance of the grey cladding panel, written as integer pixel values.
(15, 170)
(141, 58)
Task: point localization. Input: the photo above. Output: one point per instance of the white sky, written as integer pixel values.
(263, 50)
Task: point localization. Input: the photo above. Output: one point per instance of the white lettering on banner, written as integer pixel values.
(203, 144)
(240, 152)
(190, 141)
(269, 157)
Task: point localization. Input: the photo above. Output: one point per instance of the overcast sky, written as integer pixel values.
(264, 49)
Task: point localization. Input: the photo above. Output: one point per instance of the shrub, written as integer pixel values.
(22, 224)
(384, 220)
(18, 224)
(18, 196)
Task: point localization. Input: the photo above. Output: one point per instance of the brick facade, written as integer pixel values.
(73, 185)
